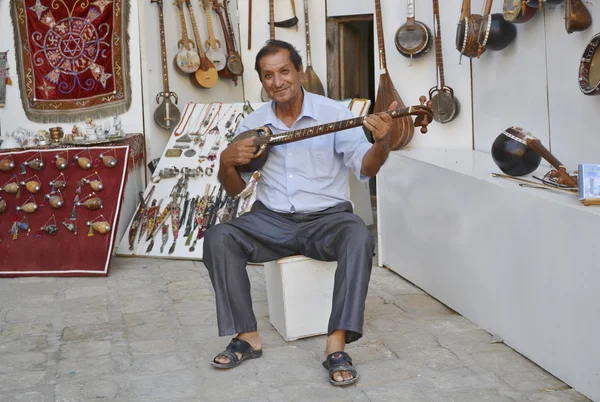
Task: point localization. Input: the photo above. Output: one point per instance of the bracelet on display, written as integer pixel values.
(209, 171)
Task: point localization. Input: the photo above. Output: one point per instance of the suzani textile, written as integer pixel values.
(72, 58)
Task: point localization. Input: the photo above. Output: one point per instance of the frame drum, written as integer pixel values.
(589, 68)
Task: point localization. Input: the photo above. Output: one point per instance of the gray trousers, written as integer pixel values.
(262, 235)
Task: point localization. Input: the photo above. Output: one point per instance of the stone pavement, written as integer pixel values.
(148, 331)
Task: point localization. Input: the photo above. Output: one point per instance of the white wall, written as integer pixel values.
(13, 115)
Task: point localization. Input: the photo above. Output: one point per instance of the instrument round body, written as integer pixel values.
(205, 77)
(187, 60)
(444, 104)
(499, 33)
(311, 82)
(511, 153)
(413, 39)
(217, 57)
(167, 115)
(261, 152)
(467, 34)
(235, 65)
(589, 68)
(403, 128)
(513, 11)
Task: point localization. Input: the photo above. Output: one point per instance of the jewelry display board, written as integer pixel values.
(185, 184)
(59, 210)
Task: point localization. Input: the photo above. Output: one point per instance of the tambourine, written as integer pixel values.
(589, 68)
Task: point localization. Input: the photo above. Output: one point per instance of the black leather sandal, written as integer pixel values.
(240, 346)
(340, 361)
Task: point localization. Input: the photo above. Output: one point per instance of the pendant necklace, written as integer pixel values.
(184, 125)
(90, 201)
(12, 187)
(84, 162)
(59, 183)
(55, 199)
(60, 161)
(28, 206)
(35, 162)
(70, 225)
(32, 184)
(23, 224)
(49, 227)
(100, 226)
(7, 164)
(110, 161)
(96, 183)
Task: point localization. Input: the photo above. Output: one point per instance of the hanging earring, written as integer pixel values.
(35, 162)
(2, 205)
(101, 227)
(7, 164)
(90, 201)
(12, 187)
(23, 224)
(49, 227)
(84, 162)
(70, 225)
(95, 184)
(28, 206)
(32, 184)
(60, 161)
(55, 201)
(212, 154)
(110, 161)
(59, 183)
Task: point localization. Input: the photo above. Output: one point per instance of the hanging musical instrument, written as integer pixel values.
(413, 38)
(249, 24)
(577, 16)
(512, 155)
(294, 9)
(214, 50)
(265, 139)
(187, 59)
(310, 80)
(264, 96)
(206, 76)
(166, 115)
(496, 33)
(589, 68)
(517, 11)
(467, 32)
(233, 65)
(290, 22)
(402, 128)
(539, 4)
(444, 105)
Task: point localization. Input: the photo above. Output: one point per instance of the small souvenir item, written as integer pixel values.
(165, 237)
(84, 162)
(173, 153)
(61, 161)
(90, 201)
(23, 224)
(99, 224)
(59, 183)
(12, 186)
(110, 161)
(29, 206)
(35, 162)
(55, 199)
(189, 153)
(70, 225)
(32, 184)
(2, 205)
(76, 200)
(50, 226)
(56, 134)
(7, 164)
(95, 183)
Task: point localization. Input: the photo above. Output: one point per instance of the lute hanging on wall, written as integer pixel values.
(265, 139)
(310, 81)
(467, 32)
(187, 59)
(517, 11)
(577, 16)
(233, 63)
(402, 128)
(413, 38)
(444, 104)
(166, 115)
(206, 76)
(214, 49)
(589, 68)
(496, 33)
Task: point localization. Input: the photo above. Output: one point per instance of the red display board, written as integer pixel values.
(37, 252)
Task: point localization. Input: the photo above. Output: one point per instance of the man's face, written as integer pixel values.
(279, 76)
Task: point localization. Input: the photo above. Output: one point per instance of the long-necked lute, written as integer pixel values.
(265, 139)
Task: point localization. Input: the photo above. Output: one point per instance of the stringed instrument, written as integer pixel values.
(214, 50)
(265, 139)
(517, 11)
(264, 96)
(589, 68)
(468, 31)
(402, 128)
(539, 4)
(577, 16)
(233, 63)
(413, 38)
(187, 59)
(206, 76)
(444, 104)
(496, 33)
(166, 115)
(310, 81)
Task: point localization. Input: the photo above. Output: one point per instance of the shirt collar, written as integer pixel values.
(307, 111)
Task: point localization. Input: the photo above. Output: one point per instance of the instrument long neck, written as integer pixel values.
(410, 12)
(308, 56)
(315, 131)
(229, 26)
(163, 48)
(196, 32)
(438, 43)
(184, 35)
(211, 33)
(271, 19)
(380, 37)
(226, 32)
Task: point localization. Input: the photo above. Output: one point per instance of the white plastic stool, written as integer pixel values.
(299, 294)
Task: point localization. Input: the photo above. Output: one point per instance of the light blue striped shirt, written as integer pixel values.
(312, 174)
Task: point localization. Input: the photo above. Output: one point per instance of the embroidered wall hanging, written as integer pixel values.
(72, 58)
(2, 78)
